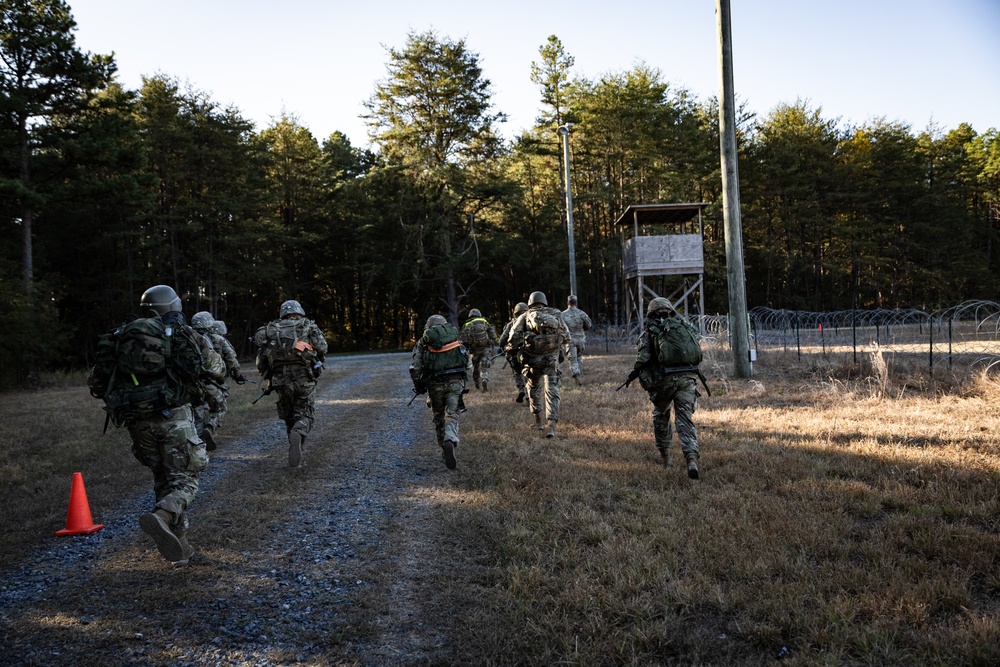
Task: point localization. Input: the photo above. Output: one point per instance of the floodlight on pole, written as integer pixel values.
(564, 133)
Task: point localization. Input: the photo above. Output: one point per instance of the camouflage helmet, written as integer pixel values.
(537, 298)
(291, 307)
(161, 298)
(521, 307)
(658, 304)
(219, 327)
(571, 300)
(202, 321)
(475, 313)
(435, 319)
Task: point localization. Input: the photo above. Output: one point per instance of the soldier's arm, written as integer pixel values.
(642, 352)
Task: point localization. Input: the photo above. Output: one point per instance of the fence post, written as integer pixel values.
(930, 331)
(949, 344)
(854, 334)
(798, 342)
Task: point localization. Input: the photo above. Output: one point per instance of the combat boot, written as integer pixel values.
(692, 461)
(294, 449)
(538, 421)
(448, 453)
(576, 377)
(665, 457)
(485, 383)
(520, 396)
(180, 530)
(157, 525)
(551, 433)
(208, 435)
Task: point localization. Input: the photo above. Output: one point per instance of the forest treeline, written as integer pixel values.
(105, 191)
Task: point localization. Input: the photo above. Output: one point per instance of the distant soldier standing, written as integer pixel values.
(512, 360)
(290, 354)
(479, 337)
(666, 363)
(539, 338)
(149, 372)
(578, 323)
(440, 368)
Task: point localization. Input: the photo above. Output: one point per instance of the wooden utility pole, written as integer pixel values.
(739, 338)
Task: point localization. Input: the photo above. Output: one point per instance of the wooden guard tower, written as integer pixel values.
(671, 265)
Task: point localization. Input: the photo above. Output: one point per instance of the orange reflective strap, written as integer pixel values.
(303, 346)
(446, 347)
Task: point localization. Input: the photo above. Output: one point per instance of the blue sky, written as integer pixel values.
(916, 61)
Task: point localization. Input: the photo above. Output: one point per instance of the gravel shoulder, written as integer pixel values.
(346, 561)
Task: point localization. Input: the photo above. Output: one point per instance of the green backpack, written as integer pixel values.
(288, 342)
(444, 352)
(144, 367)
(675, 343)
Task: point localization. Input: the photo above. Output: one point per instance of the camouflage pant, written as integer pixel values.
(679, 389)
(443, 398)
(172, 449)
(516, 368)
(542, 374)
(211, 412)
(576, 349)
(481, 365)
(295, 386)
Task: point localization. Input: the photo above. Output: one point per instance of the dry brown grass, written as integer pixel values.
(832, 525)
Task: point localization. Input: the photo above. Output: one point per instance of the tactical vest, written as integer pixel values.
(287, 341)
(476, 334)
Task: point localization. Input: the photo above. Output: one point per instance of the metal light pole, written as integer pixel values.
(564, 132)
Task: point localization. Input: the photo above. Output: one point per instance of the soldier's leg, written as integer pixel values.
(477, 371)
(518, 380)
(552, 398)
(684, 407)
(485, 369)
(533, 388)
(178, 455)
(574, 359)
(301, 421)
(662, 427)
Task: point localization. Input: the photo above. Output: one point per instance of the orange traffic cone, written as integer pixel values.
(78, 519)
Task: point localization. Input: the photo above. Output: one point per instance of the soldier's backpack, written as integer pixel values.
(675, 343)
(444, 352)
(476, 334)
(146, 366)
(288, 342)
(543, 332)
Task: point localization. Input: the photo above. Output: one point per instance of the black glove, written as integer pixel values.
(238, 376)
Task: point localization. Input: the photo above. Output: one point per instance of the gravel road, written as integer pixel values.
(345, 566)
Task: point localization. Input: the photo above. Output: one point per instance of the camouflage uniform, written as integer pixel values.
(444, 395)
(481, 356)
(541, 371)
(578, 323)
(294, 379)
(665, 388)
(512, 360)
(164, 436)
(209, 413)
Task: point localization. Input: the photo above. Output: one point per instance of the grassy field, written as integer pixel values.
(845, 515)
(838, 521)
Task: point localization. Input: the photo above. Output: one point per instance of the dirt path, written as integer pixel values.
(342, 562)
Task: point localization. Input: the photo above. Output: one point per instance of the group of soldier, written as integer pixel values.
(165, 381)
(536, 340)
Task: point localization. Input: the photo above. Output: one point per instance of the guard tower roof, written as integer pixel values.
(659, 214)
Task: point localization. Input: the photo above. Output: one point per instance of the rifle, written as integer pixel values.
(669, 371)
(629, 380)
(415, 394)
(267, 391)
